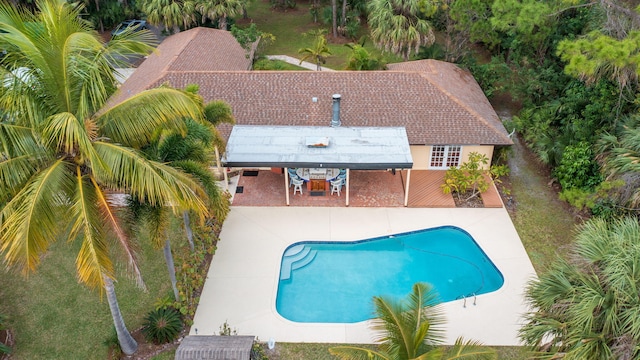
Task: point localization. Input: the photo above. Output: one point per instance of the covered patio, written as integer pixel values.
(320, 149)
(369, 188)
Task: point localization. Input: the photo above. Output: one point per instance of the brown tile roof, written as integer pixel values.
(198, 49)
(437, 102)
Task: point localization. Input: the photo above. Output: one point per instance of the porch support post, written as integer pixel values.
(346, 186)
(224, 172)
(406, 188)
(286, 184)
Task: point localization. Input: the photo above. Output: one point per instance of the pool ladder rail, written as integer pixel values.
(465, 297)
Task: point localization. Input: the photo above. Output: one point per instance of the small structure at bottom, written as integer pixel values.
(196, 347)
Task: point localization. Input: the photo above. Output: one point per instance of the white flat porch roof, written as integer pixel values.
(366, 148)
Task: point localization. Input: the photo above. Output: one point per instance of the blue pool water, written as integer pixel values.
(334, 282)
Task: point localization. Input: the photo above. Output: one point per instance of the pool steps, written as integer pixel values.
(295, 258)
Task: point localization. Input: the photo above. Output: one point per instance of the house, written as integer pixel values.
(443, 109)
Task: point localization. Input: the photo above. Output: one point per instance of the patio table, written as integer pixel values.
(317, 179)
(307, 174)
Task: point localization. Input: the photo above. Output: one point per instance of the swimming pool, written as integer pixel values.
(334, 282)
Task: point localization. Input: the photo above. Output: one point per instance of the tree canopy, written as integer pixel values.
(588, 307)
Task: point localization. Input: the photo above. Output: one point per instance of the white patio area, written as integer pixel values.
(242, 283)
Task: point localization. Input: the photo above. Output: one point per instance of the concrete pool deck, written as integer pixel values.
(242, 282)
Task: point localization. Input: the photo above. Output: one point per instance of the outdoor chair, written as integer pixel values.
(336, 186)
(292, 175)
(297, 185)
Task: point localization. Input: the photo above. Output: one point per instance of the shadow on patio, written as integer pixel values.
(368, 188)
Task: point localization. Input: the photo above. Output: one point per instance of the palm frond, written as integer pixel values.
(217, 200)
(134, 120)
(422, 307)
(356, 353)
(582, 307)
(17, 140)
(14, 173)
(108, 216)
(217, 112)
(68, 135)
(433, 354)
(93, 259)
(395, 333)
(138, 43)
(89, 78)
(470, 349)
(30, 219)
(157, 184)
(19, 98)
(156, 221)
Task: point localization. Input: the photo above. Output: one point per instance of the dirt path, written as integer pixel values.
(545, 224)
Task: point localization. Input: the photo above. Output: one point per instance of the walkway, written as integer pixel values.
(294, 61)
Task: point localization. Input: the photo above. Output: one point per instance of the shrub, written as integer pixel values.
(257, 351)
(578, 168)
(226, 330)
(162, 325)
(266, 64)
(470, 176)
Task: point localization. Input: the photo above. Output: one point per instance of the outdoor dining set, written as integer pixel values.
(317, 179)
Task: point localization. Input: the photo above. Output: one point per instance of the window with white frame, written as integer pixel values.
(445, 156)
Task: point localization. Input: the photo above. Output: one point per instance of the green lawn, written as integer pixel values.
(266, 64)
(306, 351)
(543, 222)
(54, 317)
(287, 27)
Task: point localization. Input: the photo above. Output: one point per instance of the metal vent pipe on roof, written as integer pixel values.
(335, 119)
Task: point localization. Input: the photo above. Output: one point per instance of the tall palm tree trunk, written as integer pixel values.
(334, 20)
(316, 8)
(222, 22)
(187, 227)
(168, 257)
(127, 342)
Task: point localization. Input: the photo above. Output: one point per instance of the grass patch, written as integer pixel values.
(169, 355)
(288, 27)
(266, 64)
(544, 224)
(55, 317)
(307, 351)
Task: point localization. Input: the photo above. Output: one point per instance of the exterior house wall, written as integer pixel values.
(482, 149)
(421, 154)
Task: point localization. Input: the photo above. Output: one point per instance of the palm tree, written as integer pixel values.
(334, 18)
(319, 52)
(220, 9)
(588, 307)
(189, 153)
(170, 13)
(620, 156)
(410, 329)
(361, 59)
(397, 26)
(62, 149)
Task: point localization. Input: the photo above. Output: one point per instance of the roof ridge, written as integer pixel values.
(183, 45)
(463, 104)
